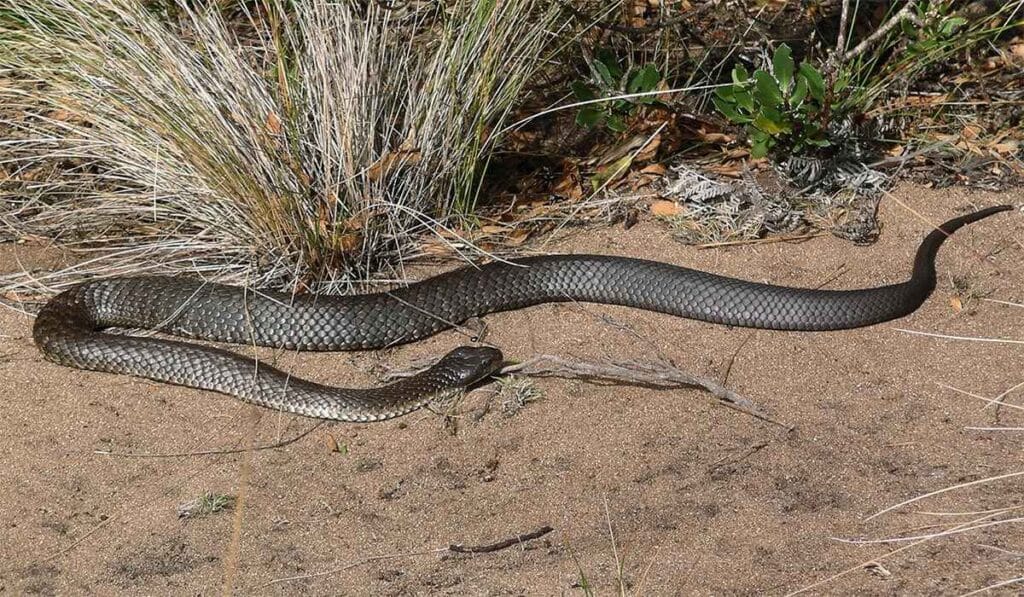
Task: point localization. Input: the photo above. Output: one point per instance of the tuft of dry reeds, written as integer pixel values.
(293, 145)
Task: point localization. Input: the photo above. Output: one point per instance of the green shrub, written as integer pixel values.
(611, 80)
(783, 108)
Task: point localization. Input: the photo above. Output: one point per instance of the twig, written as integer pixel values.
(965, 338)
(785, 238)
(843, 21)
(78, 541)
(901, 15)
(650, 374)
(500, 545)
(279, 444)
(453, 548)
(653, 374)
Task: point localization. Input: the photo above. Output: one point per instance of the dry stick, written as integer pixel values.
(659, 375)
(651, 374)
(943, 490)
(997, 585)
(452, 548)
(76, 542)
(503, 544)
(279, 444)
(844, 19)
(903, 14)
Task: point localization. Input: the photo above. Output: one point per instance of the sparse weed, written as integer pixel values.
(516, 393)
(206, 504)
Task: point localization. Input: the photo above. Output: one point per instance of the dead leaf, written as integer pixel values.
(654, 169)
(730, 169)
(348, 242)
(273, 124)
(1006, 147)
(666, 209)
(518, 237)
(971, 132)
(570, 185)
(605, 175)
(956, 304)
(717, 138)
(333, 446)
(620, 149)
(391, 161)
(649, 150)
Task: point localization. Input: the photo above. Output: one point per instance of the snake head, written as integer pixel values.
(469, 364)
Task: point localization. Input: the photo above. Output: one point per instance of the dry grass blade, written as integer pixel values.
(942, 491)
(303, 145)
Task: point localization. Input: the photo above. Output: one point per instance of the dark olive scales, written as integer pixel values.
(69, 328)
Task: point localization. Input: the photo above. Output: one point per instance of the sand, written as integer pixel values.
(689, 496)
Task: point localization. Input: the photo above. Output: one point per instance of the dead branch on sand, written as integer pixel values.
(661, 375)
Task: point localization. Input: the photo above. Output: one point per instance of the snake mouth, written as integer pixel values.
(470, 364)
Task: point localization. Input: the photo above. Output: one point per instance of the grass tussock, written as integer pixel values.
(292, 146)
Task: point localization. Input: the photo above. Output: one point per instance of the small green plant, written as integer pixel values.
(206, 504)
(516, 393)
(783, 107)
(939, 27)
(610, 80)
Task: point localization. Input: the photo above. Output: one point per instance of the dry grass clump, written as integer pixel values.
(294, 145)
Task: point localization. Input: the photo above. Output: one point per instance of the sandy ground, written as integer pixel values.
(690, 496)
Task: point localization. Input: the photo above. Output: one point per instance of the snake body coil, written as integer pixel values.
(68, 328)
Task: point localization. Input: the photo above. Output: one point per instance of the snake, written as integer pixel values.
(70, 328)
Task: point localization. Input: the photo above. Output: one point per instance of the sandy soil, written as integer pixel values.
(692, 497)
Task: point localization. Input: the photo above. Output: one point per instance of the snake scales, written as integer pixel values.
(68, 330)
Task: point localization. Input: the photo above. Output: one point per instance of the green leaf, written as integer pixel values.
(799, 92)
(766, 89)
(815, 82)
(778, 117)
(745, 100)
(604, 76)
(611, 65)
(615, 123)
(842, 81)
(727, 93)
(782, 67)
(759, 149)
(589, 116)
(646, 79)
(949, 26)
(758, 135)
(605, 175)
(729, 111)
(771, 121)
(582, 91)
(739, 74)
